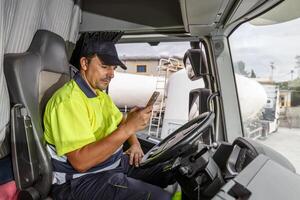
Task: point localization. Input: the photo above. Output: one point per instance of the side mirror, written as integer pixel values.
(195, 63)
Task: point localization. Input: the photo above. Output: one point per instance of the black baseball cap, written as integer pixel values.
(95, 43)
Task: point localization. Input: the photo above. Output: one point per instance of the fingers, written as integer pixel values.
(139, 118)
(138, 158)
(146, 112)
(141, 157)
(135, 158)
(145, 115)
(147, 109)
(134, 109)
(131, 158)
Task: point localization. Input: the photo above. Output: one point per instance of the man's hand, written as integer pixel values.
(138, 118)
(136, 154)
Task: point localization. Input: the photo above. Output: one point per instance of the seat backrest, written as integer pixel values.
(32, 77)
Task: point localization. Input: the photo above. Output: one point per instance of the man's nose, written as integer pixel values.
(111, 72)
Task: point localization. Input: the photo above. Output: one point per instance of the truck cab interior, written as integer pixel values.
(210, 155)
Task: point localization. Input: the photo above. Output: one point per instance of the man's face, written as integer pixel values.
(97, 74)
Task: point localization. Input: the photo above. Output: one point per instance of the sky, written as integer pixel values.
(256, 46)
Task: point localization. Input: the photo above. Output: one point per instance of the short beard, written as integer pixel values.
(101, 87)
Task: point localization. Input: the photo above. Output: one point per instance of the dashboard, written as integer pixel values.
(246, 150)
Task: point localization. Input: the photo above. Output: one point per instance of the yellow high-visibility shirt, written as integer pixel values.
(74, 119)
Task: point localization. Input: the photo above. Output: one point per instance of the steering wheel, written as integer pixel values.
(178, 142)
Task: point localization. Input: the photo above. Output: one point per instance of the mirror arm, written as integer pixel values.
(210, 98)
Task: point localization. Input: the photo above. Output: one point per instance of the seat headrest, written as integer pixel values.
(52, 49)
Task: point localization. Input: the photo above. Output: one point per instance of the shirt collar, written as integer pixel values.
(84, 86)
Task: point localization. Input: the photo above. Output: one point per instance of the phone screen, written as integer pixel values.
(153, 98)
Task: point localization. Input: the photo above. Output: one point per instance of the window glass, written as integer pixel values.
(267, 66)
(141, 68)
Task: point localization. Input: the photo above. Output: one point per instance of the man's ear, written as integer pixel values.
(83, 63)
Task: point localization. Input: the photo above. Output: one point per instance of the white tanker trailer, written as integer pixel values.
(129, 90)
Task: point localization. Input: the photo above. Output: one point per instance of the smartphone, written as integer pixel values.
(153, 98)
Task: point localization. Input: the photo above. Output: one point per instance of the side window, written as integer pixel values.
(141, 68)
(267, 66)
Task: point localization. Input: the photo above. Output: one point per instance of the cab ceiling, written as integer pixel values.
(173, 18)
(142, 16)
(150, 16)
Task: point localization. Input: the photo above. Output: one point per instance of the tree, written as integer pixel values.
(239, 68)
(252, 75)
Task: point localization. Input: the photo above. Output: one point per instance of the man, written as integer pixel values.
(85, 131)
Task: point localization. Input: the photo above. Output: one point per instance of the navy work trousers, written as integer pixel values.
(123, 183)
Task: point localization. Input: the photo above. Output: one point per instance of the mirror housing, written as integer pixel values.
(195, 63)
